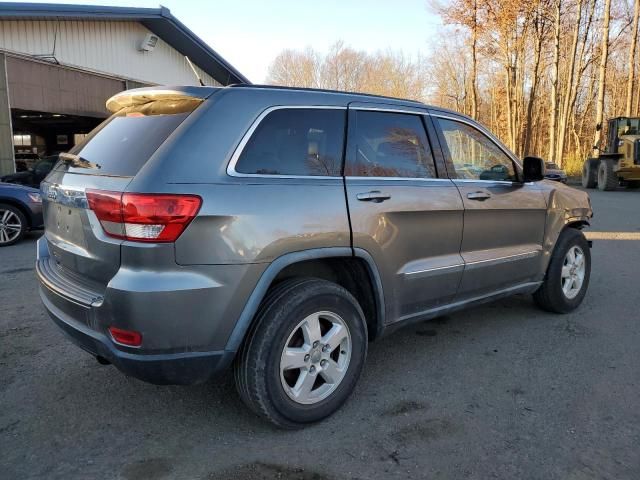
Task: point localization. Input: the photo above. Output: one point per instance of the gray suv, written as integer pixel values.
(278, 231)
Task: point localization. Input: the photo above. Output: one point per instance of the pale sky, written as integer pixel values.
(250, 33)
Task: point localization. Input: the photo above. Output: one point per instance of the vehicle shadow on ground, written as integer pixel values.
(420, 389)
(217, 405)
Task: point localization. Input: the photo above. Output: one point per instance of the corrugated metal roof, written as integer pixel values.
(159, 20)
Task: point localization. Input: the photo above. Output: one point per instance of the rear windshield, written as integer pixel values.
(123, 143)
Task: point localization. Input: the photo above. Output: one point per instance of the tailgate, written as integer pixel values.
(74, 236)
(108, 159)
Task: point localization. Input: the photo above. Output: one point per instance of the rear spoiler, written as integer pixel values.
(142, 96)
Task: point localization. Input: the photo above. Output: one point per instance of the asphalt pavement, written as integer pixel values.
(501, 391)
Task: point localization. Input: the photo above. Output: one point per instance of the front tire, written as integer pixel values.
(305, 353)
(607, 178)
(567, 278)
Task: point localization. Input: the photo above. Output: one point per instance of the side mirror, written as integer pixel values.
(533, 169)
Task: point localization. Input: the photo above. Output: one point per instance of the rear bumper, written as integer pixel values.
(185, 315)
(162, 369)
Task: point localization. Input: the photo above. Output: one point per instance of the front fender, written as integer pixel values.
(566, 207)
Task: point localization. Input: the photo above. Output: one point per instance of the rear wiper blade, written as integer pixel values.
(77, 161)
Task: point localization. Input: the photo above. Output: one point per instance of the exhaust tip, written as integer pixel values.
(102, 360)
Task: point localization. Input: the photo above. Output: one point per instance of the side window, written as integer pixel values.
(389, 145)
(296, 141)
(474, 155)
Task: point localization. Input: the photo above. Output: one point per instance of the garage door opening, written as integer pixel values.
(40, 134)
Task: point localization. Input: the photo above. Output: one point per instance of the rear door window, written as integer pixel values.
(123, 143)
(386, 144)
(296, 141)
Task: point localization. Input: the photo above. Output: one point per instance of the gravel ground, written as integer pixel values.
(500, 391)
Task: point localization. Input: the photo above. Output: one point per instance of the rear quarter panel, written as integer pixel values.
(243, 220)
(258, 220)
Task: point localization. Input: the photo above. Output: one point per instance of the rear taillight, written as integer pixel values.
(143, 217)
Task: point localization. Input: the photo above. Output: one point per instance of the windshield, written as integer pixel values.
(552, 166)
(628, 126)
(45, 165)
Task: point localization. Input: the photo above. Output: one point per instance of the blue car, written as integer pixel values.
(20, 211)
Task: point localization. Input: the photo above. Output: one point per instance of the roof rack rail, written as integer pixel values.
(320, 90)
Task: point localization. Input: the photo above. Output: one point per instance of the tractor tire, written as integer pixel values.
(607, 178)
(589, 174)
(633, 184)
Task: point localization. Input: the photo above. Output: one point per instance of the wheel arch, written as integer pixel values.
(578, 223)
(354, 269)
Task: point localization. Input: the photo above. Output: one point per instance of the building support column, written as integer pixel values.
(7, 163)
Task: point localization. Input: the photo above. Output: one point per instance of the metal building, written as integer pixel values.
(59, 64)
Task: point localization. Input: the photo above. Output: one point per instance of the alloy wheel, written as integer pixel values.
(315, 358)
(573, 272)
(10, 226)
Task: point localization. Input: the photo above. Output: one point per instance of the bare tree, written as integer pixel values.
(519, 67)
(295, 68)
(632, 58)
(344, 68)
(569, 85)
(467, 13)
(553, 110)
(602, 76)
(539, 30)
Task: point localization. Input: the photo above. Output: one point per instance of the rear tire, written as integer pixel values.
(568, 273)
(607, 178)
(291, 372)
(589, 174)
(13, 225)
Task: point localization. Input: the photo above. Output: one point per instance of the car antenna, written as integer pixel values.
(194, 71)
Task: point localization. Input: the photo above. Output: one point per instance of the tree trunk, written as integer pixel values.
(632, 58)
(474, 63)
(637, 110)
(509, 82)
(604, 56)
(568, 93)
(529, 131)
(553, 111)
(583, 64)
(590, 98)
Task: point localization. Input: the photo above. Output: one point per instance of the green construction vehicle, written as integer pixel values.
(618, 164)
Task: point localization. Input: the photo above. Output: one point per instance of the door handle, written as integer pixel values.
(374, 196)
(481, 196)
